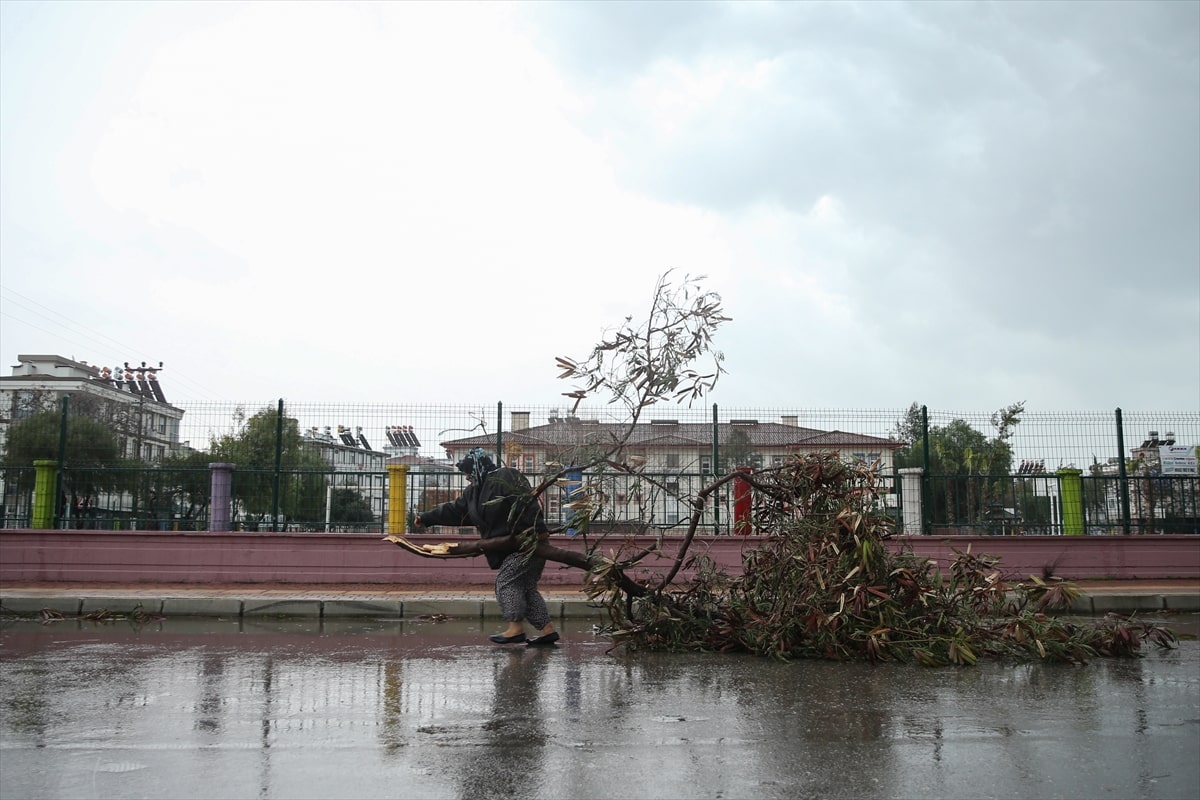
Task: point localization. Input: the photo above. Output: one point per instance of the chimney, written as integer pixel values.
(791, 419)
(520, 420)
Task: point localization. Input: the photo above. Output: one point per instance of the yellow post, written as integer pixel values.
(397, 519)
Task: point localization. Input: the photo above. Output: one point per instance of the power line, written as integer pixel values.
(111, 350)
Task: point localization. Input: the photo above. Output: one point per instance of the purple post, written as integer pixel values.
(221, 484)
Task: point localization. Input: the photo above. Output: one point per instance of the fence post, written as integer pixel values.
(397, 516)
(220, 493)
(45, 492)
(500, 433)
(716, 456)
(1070, 488)
(926, 526)
(62, 459)
(278, 466)
(911, 507)
(1122, 476)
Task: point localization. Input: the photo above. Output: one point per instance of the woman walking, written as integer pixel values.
(498, 501)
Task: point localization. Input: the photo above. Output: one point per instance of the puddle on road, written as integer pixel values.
(196, 707)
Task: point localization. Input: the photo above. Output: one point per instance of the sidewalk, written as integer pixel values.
(412, 600)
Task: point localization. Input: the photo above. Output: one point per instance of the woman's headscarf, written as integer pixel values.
(477, 464)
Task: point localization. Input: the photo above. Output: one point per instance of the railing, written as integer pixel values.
(310, 501)
(16, 499)
(304, 479)
(1009, 505)
(304, 500)
(1158, 504)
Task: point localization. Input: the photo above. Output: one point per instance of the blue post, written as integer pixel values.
(574, 487)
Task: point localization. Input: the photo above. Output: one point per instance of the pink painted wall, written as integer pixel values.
(149, 557)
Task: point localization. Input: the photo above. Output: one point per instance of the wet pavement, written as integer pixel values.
(413, 708)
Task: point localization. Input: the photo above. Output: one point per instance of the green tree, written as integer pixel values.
(90, 447)
(252, 449)
(348, 507)
(967, 470)
(88, 444)
(185, 482)
(735, 451)
(909, 430)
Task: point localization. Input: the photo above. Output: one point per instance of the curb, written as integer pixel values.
(26, 605)
(1104, 603)
(462, 605)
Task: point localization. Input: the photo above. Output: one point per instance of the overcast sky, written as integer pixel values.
(961, 205)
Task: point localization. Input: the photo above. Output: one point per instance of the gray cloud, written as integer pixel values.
(962, 203)
(1039, 161)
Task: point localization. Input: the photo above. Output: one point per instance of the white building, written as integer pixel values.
(676, 454)
(129, 400)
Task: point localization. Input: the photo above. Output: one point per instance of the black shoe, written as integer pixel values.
(542, 641)
(500, 638)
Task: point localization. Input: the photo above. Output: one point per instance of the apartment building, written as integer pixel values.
(675, 455)
(129, 399)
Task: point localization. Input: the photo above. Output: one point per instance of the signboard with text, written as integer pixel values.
(1177, 459)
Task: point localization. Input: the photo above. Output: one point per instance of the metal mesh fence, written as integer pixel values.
(324, 467)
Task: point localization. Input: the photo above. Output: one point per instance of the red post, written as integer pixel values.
(741, 504)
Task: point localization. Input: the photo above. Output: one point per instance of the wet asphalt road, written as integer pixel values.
(208, 708)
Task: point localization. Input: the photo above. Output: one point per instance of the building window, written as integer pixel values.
(672, 460)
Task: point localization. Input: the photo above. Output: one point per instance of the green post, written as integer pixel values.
(716, 458)
(926, 497)
(278, 466)
(1122, 475)
(62, 454)
(500, 433)
(1070, 490)
(45, 491)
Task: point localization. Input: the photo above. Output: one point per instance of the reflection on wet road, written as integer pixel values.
(207, 708)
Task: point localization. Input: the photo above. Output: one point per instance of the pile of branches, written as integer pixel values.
(825, 585)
